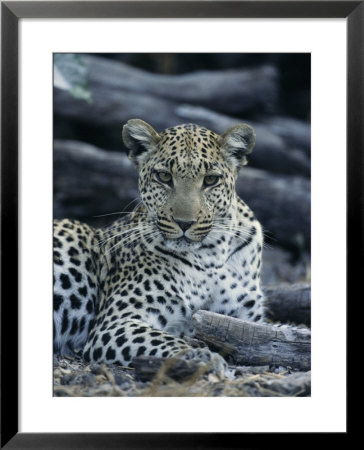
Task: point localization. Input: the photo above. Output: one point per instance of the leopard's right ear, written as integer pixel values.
(141, 139)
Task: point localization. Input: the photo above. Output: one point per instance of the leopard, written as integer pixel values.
(130, 289)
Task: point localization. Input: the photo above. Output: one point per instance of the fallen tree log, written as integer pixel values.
(89, 181)
(296, 133)
(289, 303)
(281, 203)
(230, 91)
(249, 343)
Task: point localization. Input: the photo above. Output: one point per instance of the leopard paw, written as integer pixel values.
(214, 362)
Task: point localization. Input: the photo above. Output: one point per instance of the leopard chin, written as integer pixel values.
(182, 243)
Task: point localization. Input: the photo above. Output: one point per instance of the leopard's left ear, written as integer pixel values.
(141, 139)
(236, 143)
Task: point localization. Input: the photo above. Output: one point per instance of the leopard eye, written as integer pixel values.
(210, 180)
(164, 177)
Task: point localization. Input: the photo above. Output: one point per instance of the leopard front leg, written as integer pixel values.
(120, 343)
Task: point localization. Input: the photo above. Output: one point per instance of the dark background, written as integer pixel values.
(271, 92)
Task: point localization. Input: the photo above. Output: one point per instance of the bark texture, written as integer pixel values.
(289, 303)
(255, 344)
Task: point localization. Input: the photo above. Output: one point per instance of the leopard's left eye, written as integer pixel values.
(210, 180)
(164, 177)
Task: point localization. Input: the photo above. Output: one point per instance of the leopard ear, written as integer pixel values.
(140, 139)
(236, 143)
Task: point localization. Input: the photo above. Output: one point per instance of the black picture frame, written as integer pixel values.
(11, 13)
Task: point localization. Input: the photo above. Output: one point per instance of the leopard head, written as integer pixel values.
(187, 174)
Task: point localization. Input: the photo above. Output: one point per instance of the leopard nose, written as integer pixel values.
(184, 225)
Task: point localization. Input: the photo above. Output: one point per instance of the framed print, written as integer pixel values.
(191, 92)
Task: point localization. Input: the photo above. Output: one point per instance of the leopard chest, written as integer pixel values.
(164, 289)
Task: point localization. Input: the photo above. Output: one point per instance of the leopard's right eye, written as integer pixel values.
(164, 177)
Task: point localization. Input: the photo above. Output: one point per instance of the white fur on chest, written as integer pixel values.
(223, 280)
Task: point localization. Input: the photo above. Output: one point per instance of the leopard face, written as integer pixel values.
(186, 176)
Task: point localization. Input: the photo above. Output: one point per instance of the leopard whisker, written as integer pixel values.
(123, 241)
(126, 239)
(131, 230)
(126, 233)
(234, 233)
(242, 231)
(119, 212)
(121, 225)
